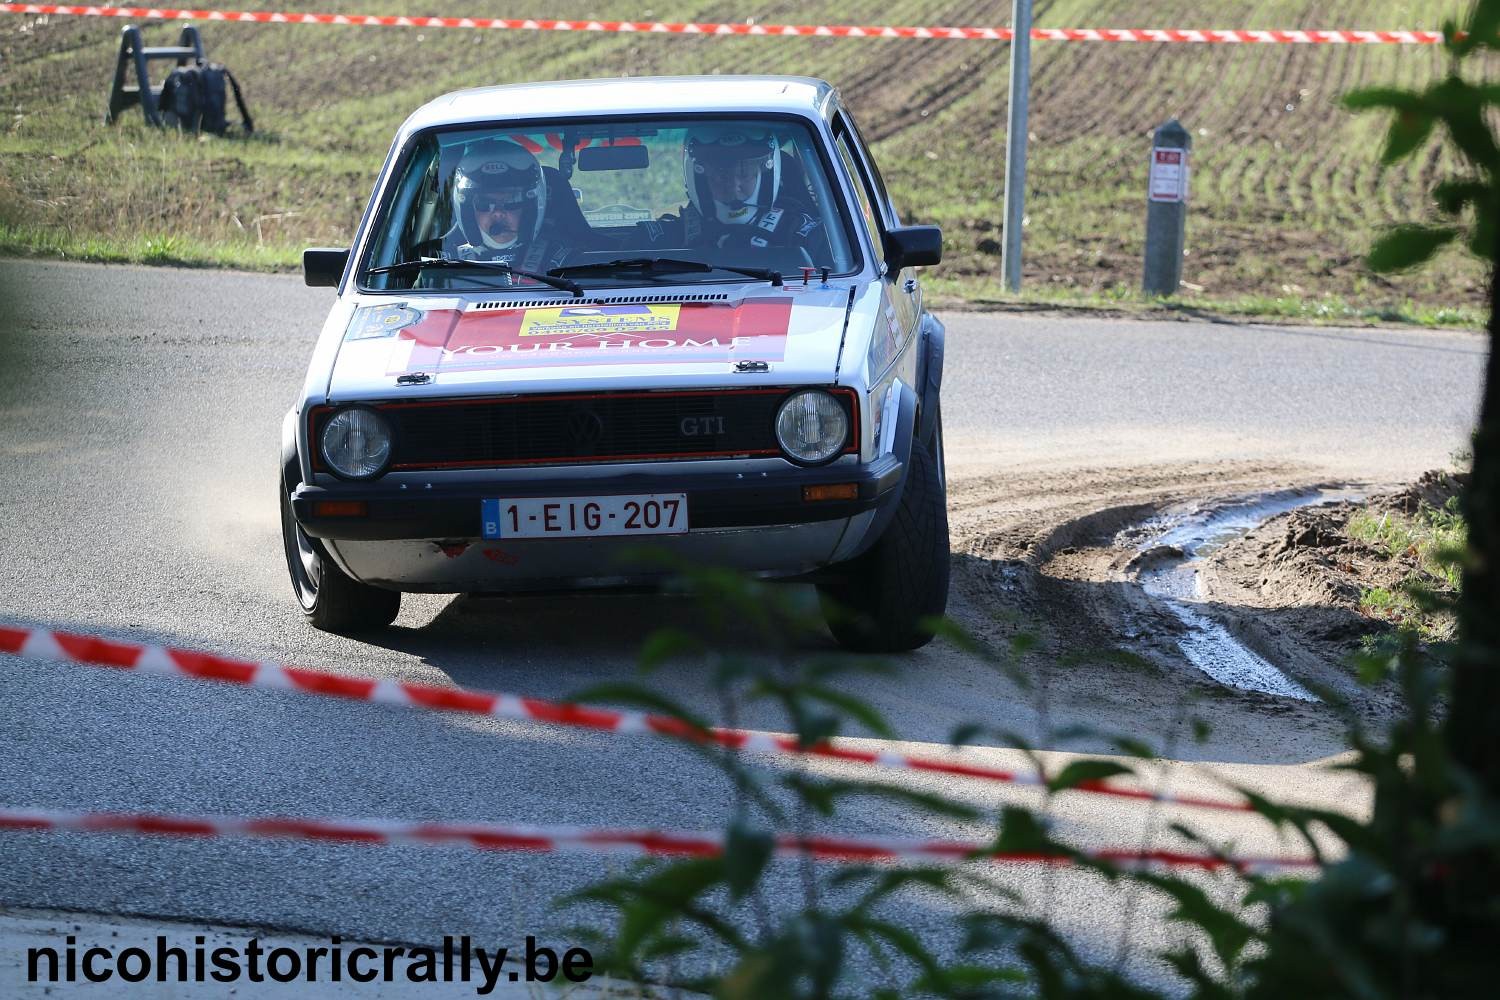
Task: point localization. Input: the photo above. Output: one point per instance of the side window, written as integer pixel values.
(414, 205)
(882, 196)
(861, 191)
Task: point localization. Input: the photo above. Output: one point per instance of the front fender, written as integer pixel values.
(930, 373)
(906, 423)
(291, 465)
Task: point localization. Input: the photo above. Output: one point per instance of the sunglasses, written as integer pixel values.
(746, 166)
(496, 205)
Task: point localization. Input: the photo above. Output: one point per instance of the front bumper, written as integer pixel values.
(719, 500)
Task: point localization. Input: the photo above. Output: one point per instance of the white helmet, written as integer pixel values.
(498, 167)
(722, 145)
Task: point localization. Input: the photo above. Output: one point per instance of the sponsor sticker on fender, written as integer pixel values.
(448, 340)
(374, 322)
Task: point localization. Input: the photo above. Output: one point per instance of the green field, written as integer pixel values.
(1287, 191)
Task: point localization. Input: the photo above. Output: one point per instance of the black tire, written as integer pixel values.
(879, 603)
(329, 599)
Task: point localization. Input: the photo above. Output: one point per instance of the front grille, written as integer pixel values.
(577, 428)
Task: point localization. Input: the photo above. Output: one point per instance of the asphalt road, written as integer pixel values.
(139, 424)
(1368, 405)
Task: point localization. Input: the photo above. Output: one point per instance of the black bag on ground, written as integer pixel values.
(195, 98)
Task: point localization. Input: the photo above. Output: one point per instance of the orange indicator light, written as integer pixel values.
(832, 491)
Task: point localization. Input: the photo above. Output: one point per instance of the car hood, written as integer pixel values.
(699, 337)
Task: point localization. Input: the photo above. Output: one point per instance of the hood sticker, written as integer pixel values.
(570, 320)
(448, 340)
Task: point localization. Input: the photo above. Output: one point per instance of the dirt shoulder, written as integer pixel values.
(1038, 559)
(1061, 559)
(1336, 576)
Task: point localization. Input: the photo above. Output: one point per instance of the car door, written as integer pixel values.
(907, 281)
(901, 294)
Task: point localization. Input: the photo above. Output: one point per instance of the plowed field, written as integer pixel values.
(1287, 191)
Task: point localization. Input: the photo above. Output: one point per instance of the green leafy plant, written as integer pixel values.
(1470, 201)
(1465, 110)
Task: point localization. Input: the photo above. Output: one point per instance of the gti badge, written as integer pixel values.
(696, 426)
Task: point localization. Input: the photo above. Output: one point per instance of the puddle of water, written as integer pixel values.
(1212, 649)
(1188, 538)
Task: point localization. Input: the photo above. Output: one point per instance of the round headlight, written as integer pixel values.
(811, 426)
(356, 443)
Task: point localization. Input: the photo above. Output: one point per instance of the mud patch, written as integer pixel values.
(1170, 567)
(1307, 572)
(1059, 558)
(1037, 555)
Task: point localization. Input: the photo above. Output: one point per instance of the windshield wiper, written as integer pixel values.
(487, 265)
(666, 265)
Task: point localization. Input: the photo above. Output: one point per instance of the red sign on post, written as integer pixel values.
(1169, 174)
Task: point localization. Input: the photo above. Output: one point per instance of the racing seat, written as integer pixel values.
(794, 178)
(565, 222)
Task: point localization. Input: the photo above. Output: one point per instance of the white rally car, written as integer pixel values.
(583, 318)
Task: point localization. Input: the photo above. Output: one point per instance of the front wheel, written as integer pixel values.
(330, 600)
(883, 598)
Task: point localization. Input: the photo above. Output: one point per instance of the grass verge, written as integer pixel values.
(169, 249)
(984, 294)
(1433, 540)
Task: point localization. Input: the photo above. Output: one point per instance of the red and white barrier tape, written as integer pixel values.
(550, 839)
(95, 651)
(739, 28)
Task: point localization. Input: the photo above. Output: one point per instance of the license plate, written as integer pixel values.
(572, 517)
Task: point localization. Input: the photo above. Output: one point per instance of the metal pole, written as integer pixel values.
(1016, 128)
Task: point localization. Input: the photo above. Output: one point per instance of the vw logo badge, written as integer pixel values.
(585, 430)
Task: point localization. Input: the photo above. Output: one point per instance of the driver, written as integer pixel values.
(739, 199)
(500, 208)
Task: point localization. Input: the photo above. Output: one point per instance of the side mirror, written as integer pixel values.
(913, 246)
(324, 266)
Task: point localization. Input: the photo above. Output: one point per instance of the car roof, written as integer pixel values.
(796, 94)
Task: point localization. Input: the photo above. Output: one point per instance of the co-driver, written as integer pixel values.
(746, 201)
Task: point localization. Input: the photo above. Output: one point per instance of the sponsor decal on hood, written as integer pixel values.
(453, 340)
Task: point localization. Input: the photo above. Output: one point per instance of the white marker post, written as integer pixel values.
(1166, 211)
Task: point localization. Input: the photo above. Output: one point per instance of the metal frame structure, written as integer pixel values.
(135, 52)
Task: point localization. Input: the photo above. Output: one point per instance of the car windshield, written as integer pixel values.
(609, 203)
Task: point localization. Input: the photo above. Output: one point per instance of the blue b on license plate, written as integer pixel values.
(573, 517)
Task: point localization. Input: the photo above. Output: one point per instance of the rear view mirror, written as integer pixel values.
(913, 246)
(324, 266)
(613, 158)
